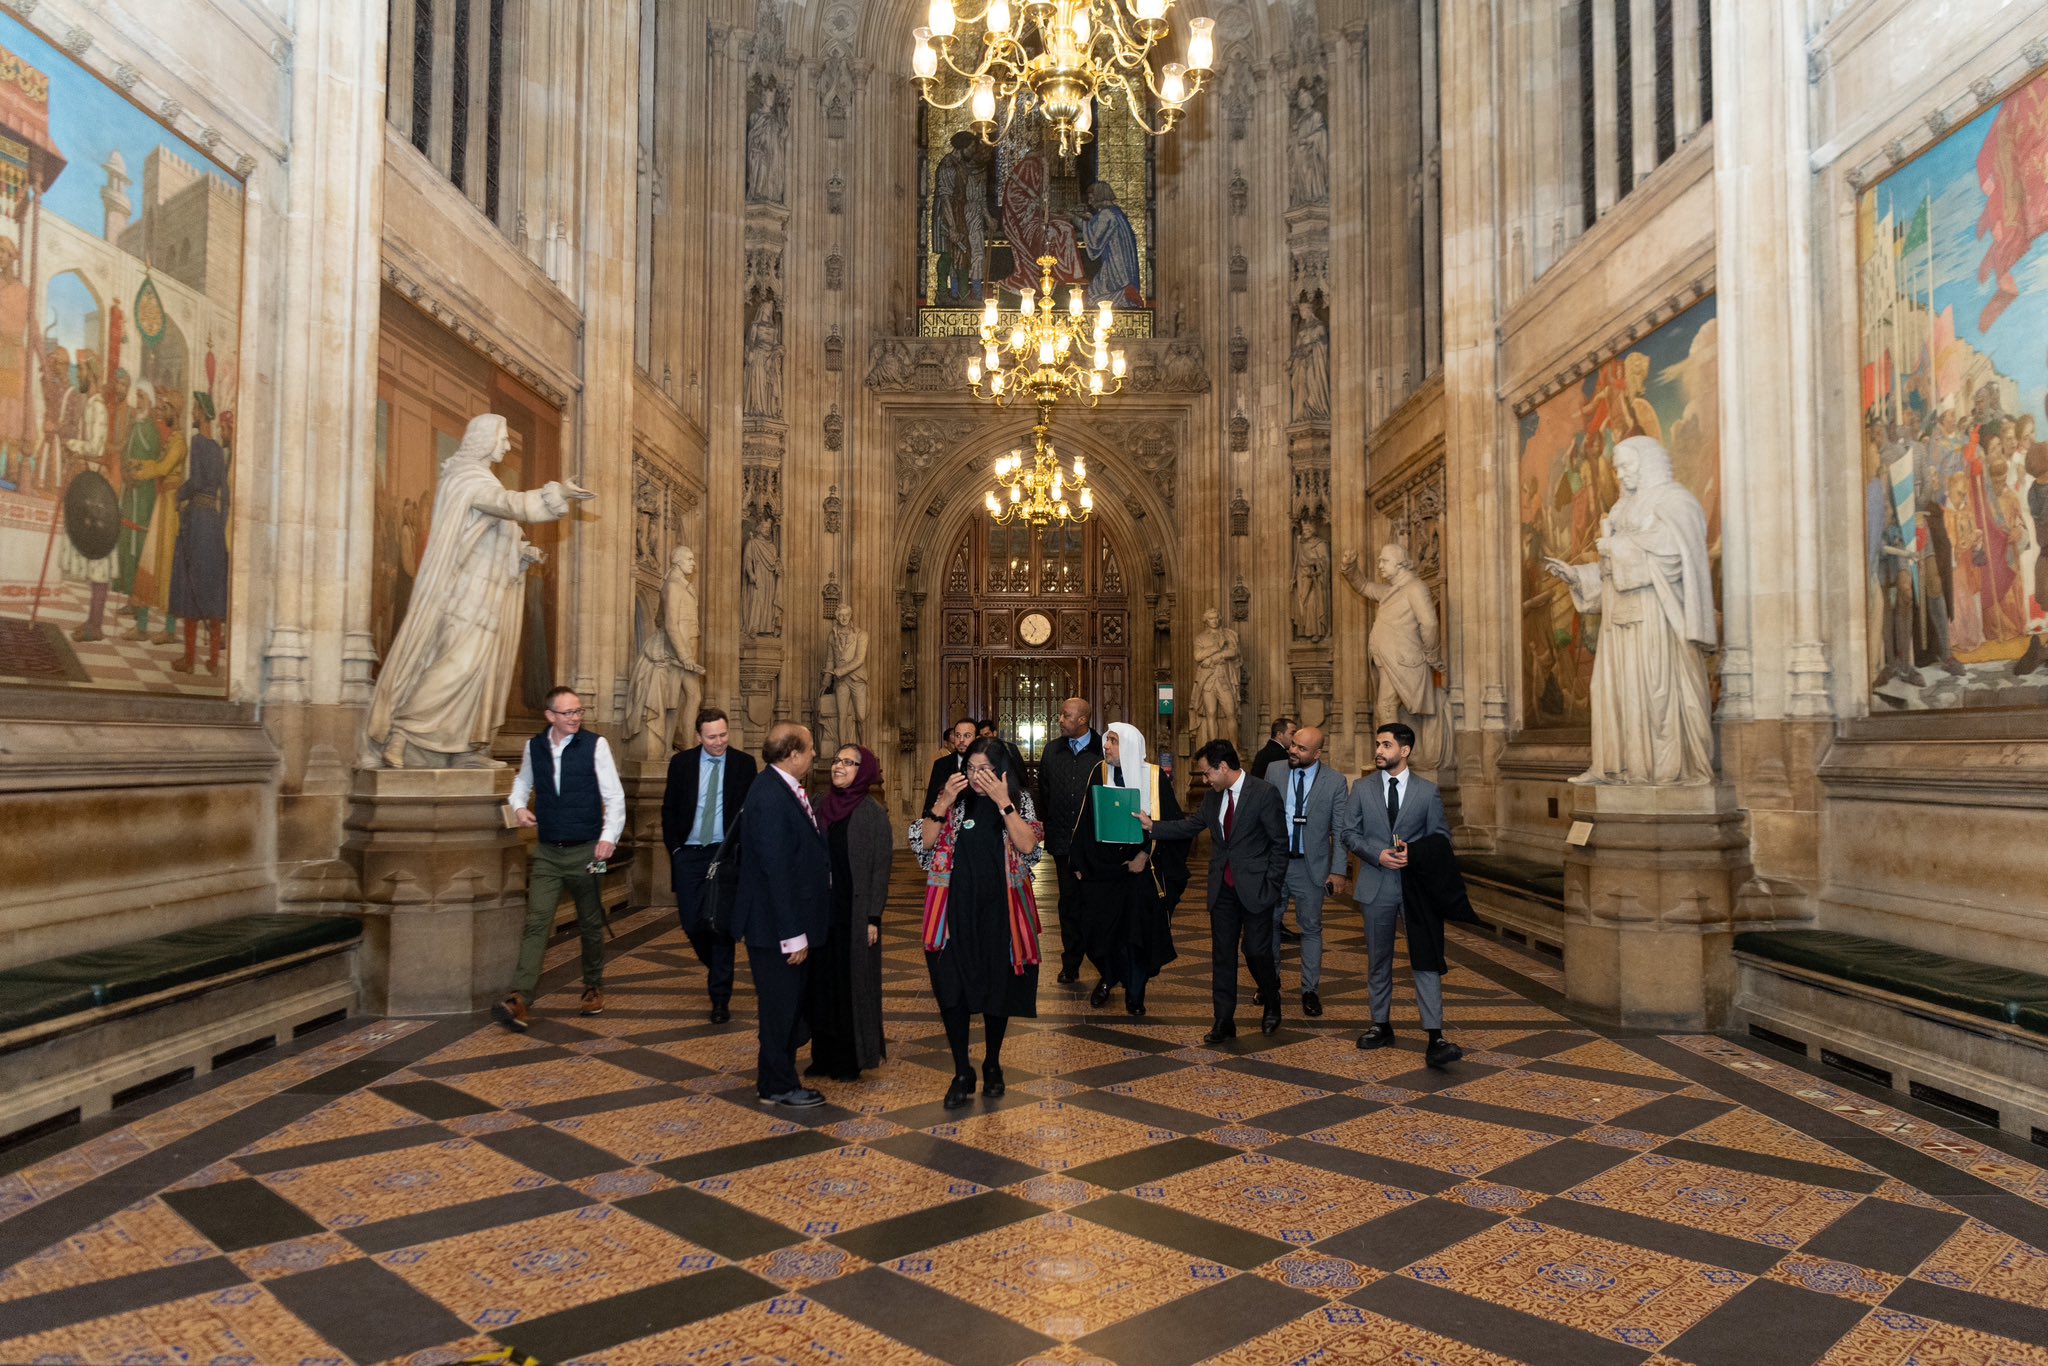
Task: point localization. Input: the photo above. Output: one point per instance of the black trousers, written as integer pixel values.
(779, 997)
(1231, 924)
(714, 948)
(1072, 937)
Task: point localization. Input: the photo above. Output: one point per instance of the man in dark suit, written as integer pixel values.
(1066, 768)
(784, 906)
(959, 736)
(1247, 878)
(1388, 809)
(706, 783)
(1279, 740)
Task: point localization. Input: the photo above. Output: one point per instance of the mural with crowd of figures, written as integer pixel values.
(120, 296)
(1667, 386)
(1954, 384)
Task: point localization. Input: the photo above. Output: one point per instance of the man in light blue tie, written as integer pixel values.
(1313, 794)
(705, 782)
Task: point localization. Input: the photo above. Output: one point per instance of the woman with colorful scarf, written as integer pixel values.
(978, 842)
(1128, 891)
(843, 994)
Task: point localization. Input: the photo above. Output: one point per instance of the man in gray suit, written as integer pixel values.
(1387, 810)
(1314, 806)
(1247, 878)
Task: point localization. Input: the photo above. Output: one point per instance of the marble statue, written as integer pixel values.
(1308, 368)
(1653, 588)
(1308, 153)
(1311, 583)
(761, 380)
(846, 677)
(767, 159)
(1219, 671)
(1406, 647)
(441, 694)
(761, 582)
(667, 685)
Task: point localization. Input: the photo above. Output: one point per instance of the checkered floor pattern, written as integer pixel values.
(607, 1190)
(117, 661)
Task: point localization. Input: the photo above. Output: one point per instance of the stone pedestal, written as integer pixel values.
(1650, 904)
(443, 887)
(645, 780)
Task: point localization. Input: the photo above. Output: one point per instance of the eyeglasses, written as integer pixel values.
(982, 769)
(570, 714)
(846, 763)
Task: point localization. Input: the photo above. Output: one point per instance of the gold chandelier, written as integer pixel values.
(1052, 354)
(1039, 490)
(1066, 53)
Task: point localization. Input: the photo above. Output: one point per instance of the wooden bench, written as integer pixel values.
(88, 1031)
(1967, 1036)
(1521, 898)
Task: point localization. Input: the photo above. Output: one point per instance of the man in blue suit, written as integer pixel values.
(783, 909)
(1388, 810)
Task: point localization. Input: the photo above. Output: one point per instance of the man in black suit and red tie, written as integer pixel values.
(707, 786)
(1247, 878)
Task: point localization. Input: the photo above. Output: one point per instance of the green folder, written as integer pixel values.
(1116, 816)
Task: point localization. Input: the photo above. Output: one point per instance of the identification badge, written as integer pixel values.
(967, 824)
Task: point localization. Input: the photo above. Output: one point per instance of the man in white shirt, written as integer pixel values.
(579, 808)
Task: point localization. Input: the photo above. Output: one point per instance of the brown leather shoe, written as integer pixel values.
(593, 1002)
(511, 1012)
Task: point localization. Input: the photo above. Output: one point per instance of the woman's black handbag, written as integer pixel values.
(715, 906)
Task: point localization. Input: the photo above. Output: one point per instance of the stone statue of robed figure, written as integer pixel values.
(441, 695)
(1653, 588)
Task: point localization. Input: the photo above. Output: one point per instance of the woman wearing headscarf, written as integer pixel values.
(843, 996)
(978, 841)
(1128, 891)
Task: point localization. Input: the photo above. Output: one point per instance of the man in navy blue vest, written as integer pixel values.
(579, 806)
(707, 786)
(784, 907)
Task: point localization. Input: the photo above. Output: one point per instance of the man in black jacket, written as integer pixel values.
(1247, 878)
(959, 736)
(707, 785)
(783, 909)
(1274, 751)
(1065, 770)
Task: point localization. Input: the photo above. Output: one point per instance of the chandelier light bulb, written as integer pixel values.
(1074, 304)
(1016, 493)
(995, 384)
(998, 17)
(1083, 29)
(988, 313)
(995, 508)
(1106, 319)
(1045, 351)
(985, 100)
(1087, 500)
(1030, 297)
(1201, 44)
(924, 63)
(1017, 338)
(1149, 9)
(1101, 358)
(942, 20)
(1095, 383)
(1084, 119)
(974, 372)
(1080, 473)
(1173, 90)
(1116, 364)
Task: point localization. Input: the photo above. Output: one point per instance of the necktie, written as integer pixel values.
(1229, 824)
(807, 806)
(1393, 802)
(1300, 810)
(708, 822)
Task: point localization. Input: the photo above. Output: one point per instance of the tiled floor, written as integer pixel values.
(607, 1190)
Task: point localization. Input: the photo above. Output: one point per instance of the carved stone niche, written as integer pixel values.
(835, 194)
(835, 429)
(835, 350)
(835, 272)
(1240, 270)
(1240, 431)
(835, 511)
(1240, 514)
(1240, 600)
(1240, 351)
(830, 595)
(1240, 192)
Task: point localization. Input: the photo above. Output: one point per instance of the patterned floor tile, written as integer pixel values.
(831, 1192)
(349, 1116)
(1319, 1274)
(805, 1264)
(1051, 1053)
(1634, 1296)
(1755, 1133)
(272, 1260)
(544, 1083)
(1340, 1333)
(1488, 1195)
(646, 1134)
(239, 1324)
(365, 1190)
(1278, 1198)
(893, 1086)
(1889, 1338)
(1216, 1093)
(1981, 1259)
(1061, 1276)
(736, 1050)
(1056, 1192)
(1461, 1147)
(789, 1331)
(143, 1237)
(523, 1271)
(485, 1043)
(1609, 1055)
(1339, 1055)
(1762, 1209)
(1543, 1093)
(1052, 1135)
(1826, 1277)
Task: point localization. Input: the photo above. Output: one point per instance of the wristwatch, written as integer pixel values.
(1009, 811)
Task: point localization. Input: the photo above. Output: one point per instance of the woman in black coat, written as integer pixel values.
(843, 997)
(1128, 890)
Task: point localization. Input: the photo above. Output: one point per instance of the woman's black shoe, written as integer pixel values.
(960, 1092)
(992, 1080)
(1100, 996)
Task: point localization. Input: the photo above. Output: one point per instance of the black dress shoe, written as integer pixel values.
(1270, 1021)
(1218, 1032)
(992, 1080)
(803, 1098)
(1379, 1036)
(720, 1013)
(1442, 1053)
(1289, 936)
(960, 1092)
(1068, 976)
(1311, 1004)
(1100, 996)
(1133, 1007)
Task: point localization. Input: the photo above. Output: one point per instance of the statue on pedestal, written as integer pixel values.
(1653, 588)
(1406, 646)
(846, 677)
(667, 685)
(1219, 673)
(761, 581)
(441, 694)
(1311, 583)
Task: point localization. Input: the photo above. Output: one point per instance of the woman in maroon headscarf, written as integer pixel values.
(844, 992)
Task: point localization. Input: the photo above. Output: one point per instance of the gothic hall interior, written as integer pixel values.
(1494, 553)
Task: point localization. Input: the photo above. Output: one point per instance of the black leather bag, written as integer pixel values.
(715, 907)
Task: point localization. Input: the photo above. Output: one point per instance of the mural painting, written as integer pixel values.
(120, 297)
(1666, 386)
(1954, 386)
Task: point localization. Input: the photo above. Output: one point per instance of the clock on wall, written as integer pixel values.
(1034, 628)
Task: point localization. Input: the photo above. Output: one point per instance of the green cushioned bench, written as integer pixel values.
(2006, 996)
(1515, 875)
(38, 993)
